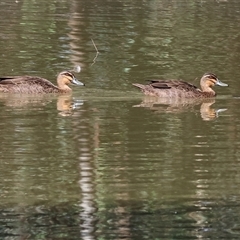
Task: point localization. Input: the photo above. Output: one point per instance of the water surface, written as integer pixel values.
(107, 162)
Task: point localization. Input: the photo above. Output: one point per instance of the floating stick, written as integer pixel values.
(94, 60)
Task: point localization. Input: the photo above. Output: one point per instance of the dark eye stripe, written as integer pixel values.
(211, 75)
(69, 74)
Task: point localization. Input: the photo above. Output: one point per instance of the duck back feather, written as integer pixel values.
(26, 84)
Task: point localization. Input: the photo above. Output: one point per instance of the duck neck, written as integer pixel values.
(63, 86)
(208, 90)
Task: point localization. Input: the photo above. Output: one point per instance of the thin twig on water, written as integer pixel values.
(94, 60)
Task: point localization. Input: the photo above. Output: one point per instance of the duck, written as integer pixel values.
(34, 84)
(181, 89)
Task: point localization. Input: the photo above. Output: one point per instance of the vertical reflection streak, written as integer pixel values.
(87, 202)
(86, 158)
(87, 178)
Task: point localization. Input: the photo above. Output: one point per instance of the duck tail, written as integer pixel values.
(141, 86)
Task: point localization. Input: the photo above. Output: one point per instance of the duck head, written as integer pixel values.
(65, 78)
(209, 80)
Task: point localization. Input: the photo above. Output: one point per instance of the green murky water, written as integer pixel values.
(106, 162)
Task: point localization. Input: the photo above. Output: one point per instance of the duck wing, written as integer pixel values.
(173, 84)
(28, 80)
(26, 84)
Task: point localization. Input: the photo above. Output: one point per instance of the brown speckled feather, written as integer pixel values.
(29, 84)
(170, 88)
(176, 84)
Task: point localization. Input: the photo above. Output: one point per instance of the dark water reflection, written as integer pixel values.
(189, 219)
(106, 162)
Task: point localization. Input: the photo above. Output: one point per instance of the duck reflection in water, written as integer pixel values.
(171, 105)
(66, 104)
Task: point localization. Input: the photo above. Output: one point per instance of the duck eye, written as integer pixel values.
(69, 75)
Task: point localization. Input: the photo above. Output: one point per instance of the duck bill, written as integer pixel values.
(219, 83)
(77, 82)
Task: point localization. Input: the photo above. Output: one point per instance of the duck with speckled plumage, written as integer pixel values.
(181, 89)
(38, 85)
